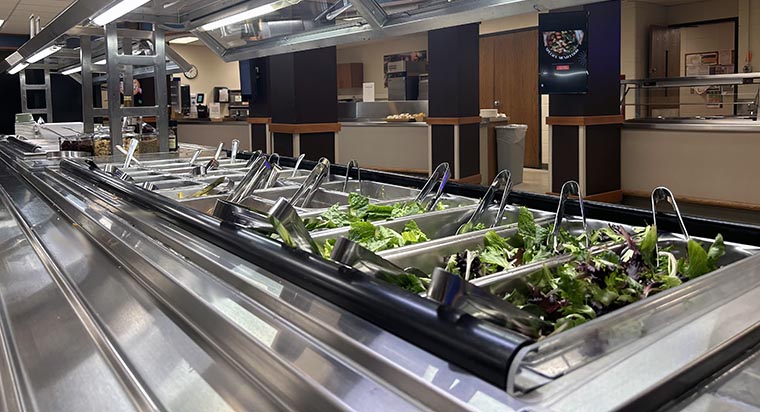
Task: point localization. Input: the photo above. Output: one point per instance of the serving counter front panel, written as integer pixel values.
(710, 165)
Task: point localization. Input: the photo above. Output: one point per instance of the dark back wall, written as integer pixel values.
(10, 103)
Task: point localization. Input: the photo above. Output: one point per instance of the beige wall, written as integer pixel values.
(702, 11)
(705, 38)
(212, 71)
(371, 53)
(520, 21)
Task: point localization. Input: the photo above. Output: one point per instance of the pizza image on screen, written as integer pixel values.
(563, 44)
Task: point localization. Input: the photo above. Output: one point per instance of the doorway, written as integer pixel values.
(509, 83)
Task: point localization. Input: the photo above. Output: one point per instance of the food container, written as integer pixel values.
(77, 143)
(149, 143)
(102, 142)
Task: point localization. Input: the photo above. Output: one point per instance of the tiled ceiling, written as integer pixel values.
(16, 13)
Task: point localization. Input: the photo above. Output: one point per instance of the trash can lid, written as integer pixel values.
(512, 126)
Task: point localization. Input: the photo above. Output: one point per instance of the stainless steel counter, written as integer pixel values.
(100, 290)
(715, 124)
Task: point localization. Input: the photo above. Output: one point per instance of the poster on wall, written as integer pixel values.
(563, 53)
(415, 56)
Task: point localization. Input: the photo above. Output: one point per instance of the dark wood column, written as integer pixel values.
(259, 113)
(454, 100)
(585, 128)
(303, 103)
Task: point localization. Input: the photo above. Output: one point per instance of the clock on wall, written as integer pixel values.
(192, 73)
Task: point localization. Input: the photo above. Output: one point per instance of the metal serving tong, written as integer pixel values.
(213, 185)
(353, 163)
(451, 290)
(276, 169)
(298, 163)
(309, 187)
(194, 157)
(234, 151)
(131, 152)
(242, 216)
(503, 179)
(255, 155)
(256, 176)
(362, 259)
(570, 187)
(214, 162)
(111, 170)
(442, 174)
(286, 223)
(663, 193)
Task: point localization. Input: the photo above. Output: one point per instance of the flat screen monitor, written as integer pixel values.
(199, 99)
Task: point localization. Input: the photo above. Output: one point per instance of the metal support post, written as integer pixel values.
(162, 92)
(88, 104)
(114, 92)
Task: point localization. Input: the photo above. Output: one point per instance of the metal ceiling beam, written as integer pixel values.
(73, 15)
(372, 12)
(455, 14)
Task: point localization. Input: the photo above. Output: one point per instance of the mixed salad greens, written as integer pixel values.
(529, 244)
(379, 238)
(361, 210)
(592, 285)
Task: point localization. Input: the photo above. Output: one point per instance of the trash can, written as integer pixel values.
(510, 149)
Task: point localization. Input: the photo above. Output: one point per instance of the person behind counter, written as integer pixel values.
(137, 93)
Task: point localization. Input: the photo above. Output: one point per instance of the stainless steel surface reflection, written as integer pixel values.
(201, 329)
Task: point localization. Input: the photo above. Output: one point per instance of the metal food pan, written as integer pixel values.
(263, 200)
(504, 282)
(374, 190)
(430, 255)
(436, 225)
(153, 177)
(186, 192)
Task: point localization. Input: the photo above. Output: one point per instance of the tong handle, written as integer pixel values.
(218, 151)
(131, 152)
(442, 174)
(504, 178)
(234, 151)
(298, 163)
(355, 164)
(570, 187)
(309, 187)
(195, 156)
(663, 193)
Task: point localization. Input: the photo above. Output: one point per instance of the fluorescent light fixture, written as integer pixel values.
(17, 68)
(183, 40)
(72, 70)
(250, 14)
(100, 62)
(119, 9)
(43, 53)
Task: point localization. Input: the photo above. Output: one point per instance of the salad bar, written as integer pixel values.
(332, 287)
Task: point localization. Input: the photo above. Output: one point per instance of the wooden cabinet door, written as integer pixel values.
(515, 73)
(486, 72)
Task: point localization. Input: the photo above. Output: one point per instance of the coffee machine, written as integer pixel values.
(404, 79)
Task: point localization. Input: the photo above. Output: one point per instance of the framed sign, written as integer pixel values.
(563, 53)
